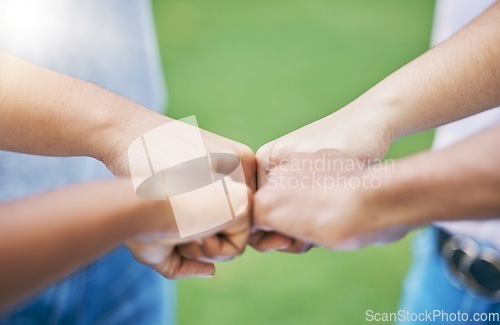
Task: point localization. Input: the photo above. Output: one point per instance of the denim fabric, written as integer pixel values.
(113, 290)
(427, 286)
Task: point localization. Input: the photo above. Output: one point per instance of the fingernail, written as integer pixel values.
(274, 248)
(285, 246)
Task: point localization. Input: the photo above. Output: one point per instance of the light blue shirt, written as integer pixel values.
(110, 43)
(113, 44)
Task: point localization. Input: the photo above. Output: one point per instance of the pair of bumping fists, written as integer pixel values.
(453, 80)
(69, 117)
(285, 210)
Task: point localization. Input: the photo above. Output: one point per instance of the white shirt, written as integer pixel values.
(450, 16)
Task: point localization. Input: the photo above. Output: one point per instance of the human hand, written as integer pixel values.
(160, 248)
(137, 122)
(352, 130)
(331, 206)
(223, 243)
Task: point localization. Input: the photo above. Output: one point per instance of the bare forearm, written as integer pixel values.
(47, 113)
(46, 237)
(457, 183)
(456, 79)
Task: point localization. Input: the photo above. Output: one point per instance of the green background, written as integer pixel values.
(255, 70)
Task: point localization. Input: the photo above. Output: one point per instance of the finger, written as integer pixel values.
(227, 244)
(232, 239)
(249, 168)
(176, 267)
(213, 246)
(281, 211)
(267, 241)
(210, 250)
(166, 260)
(240, 166)
(264, 239)
(149, 253)
(192, 250)
(217, 144)
(297, 247)
(224, 245)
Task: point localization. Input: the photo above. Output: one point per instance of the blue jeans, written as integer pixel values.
(428, 288)
(115, 289)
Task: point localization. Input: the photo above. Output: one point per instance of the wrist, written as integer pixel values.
(123, 123)
(397, 106)
(374, 205)
(363, 129)
(138, 216)
(150, 217)
(399, 197)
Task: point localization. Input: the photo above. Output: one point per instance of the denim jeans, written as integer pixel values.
(115, 289)
(427, 286)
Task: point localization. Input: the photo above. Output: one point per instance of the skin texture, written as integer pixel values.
(69, 228)
(39, 108)
(72, 226)
(451, 184)
(458, 78)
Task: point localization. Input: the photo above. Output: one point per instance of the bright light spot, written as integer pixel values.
(28, 23)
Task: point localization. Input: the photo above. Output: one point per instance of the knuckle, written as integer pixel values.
(263, 151)
(298, 247)
(272, 155)
(211, 254)
(169, 268)
(234, 252)
(254, 239)
(339, 235)
(209, 250)
(279, 150)
(246, 154)
(304, 248)
(168, 272)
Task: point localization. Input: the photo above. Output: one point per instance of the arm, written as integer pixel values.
(45, 237)
(457, 183)
(455, 79)
(47, 113)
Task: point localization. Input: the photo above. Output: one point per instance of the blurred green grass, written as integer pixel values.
(255, 70)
